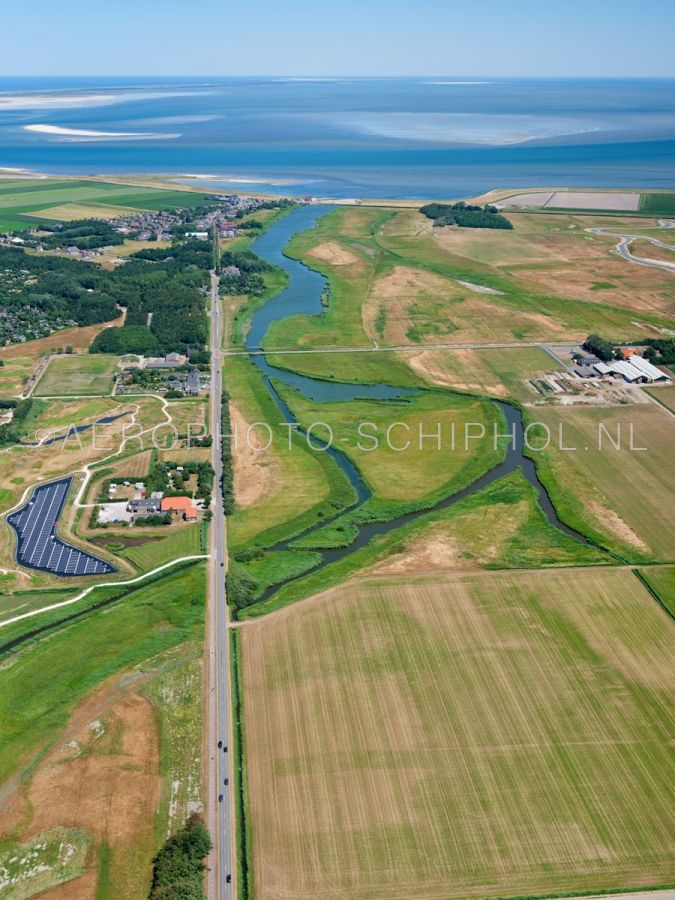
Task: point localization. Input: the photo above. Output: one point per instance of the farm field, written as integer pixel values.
(77, 375)
(29, 202)
(497, 372)
(662, 580)
(107, 745)
(659, 204)
(181, 540)
(14, 374)
(389, 784)
(664, 395)
(625, 497)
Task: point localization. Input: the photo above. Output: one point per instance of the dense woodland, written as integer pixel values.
(661, 351)
(86, 234)
(465, 215)
(39, 294)
(163, 291)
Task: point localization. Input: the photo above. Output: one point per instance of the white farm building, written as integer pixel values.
(637, 370)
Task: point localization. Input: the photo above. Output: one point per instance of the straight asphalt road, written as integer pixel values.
(219, 795)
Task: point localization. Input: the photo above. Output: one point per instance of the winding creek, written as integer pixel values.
(302, 296)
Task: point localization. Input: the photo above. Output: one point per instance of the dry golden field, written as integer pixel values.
(461, 736)
(627, 495)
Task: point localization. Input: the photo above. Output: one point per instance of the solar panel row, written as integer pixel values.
(38, 547)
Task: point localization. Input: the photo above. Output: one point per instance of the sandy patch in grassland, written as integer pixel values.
(610, 280)
(445, 547)
(613, 521)
(253, 467)
(77, 338)
(477, 735)
(594, 200)
(335, 255)
(439, 367)
(102, 775)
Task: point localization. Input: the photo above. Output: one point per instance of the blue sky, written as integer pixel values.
(324, 37)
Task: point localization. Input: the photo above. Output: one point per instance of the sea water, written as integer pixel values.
(349, 137)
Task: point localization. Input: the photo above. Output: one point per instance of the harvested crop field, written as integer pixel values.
(626, 494)
(609, 200)
(461, 736)
(500, 372)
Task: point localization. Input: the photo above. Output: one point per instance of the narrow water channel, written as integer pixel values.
(302, 296)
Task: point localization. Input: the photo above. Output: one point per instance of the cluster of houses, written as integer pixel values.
(146, 225)
(632, 368)
(139, 505)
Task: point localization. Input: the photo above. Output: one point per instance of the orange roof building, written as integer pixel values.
(181, 505)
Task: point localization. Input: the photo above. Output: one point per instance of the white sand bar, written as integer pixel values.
(594, 200)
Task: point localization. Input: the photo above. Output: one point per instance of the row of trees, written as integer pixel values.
(465, 215)
(227, 480)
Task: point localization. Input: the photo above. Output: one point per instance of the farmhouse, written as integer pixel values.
(170, 361)
(181, 506)
(147, 507)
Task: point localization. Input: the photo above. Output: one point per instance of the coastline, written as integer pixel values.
(194, 183)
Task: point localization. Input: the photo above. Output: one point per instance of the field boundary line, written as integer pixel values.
(641, 578)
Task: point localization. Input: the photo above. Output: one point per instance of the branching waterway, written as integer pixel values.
(302, 296)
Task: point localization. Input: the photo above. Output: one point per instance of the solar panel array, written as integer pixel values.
(38, 547)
